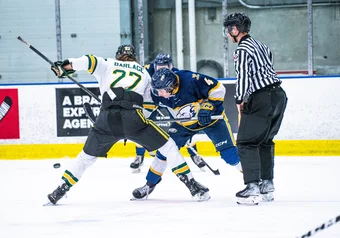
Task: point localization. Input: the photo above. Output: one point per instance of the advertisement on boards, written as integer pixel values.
(9, 114)
(71, 117)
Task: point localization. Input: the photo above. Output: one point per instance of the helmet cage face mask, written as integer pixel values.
(163, 79)
(227, 30)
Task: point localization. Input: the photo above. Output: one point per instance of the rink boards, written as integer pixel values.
(48, 121)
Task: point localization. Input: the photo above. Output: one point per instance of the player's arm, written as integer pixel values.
(210, 89)
(214, 92)
(90, 63)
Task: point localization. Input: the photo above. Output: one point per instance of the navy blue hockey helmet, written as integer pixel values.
(163, 59)
(164, 79)
(126, 50)
(240, 20)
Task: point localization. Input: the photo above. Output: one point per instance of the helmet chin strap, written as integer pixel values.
(234, 37)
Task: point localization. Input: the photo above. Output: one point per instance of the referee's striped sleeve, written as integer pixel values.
(242, 73)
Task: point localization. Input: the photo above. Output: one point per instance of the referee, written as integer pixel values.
(261, 103)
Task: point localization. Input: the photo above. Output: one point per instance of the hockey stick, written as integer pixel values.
(322, 227)
(52, 64)
(216, 172)
(184, 119)
(92, 117)
(89, 113)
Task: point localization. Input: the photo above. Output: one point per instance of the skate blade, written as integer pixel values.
(202, 169)
(138, 199)
(202, 198)
(268, 197)
(249, 201)
(135, 171)
(48, 204)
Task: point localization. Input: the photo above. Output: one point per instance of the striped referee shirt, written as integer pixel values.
(254, 67)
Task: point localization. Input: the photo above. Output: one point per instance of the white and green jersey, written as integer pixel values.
(111, 73)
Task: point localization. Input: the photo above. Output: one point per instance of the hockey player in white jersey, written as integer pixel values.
(124, 86)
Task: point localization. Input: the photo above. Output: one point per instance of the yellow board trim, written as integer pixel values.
(205, 148)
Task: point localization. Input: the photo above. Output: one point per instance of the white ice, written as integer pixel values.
(307, 195)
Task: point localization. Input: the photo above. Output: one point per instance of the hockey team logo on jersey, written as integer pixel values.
(187, 111)
(235, 57)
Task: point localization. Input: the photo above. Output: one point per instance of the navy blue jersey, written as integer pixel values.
(194, 88)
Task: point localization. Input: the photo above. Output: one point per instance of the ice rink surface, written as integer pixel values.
(307, 195)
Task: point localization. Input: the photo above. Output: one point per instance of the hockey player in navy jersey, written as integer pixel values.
(162, 60)
(191, 94)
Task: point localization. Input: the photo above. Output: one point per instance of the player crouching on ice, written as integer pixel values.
(124, 86)
(188, 95)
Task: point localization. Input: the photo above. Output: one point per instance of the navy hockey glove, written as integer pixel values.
(59, 71)
(204, 114)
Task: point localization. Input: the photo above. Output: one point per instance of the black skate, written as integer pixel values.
(57, 194)
(143, 192)
(197, 159)
(249, 195)
(137, 163)
(197, 190)
(267, 190)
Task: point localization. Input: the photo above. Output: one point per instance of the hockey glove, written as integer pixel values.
(205, 112)
(58, 69)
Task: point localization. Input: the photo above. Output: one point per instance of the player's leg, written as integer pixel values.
(253, 130)
(267, 147)
(138, 160)
(193, 152)
(154, 138)
(98, 143)
(223, 139)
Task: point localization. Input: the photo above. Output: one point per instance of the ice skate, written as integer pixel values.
(58, 193)
(267, 190)
(197, 190)
(250, 195)
(137, 163)
(143, 192)
(197, 159)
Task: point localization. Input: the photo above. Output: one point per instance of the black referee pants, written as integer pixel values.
(260, 122)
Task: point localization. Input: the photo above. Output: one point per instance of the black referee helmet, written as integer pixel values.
(240, 20)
